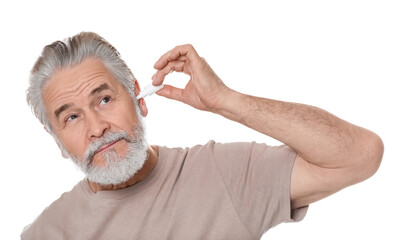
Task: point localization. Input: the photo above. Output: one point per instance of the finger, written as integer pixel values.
(184, 50)
(162, 62)
(169, 56)
(171, 92)
(159, 76)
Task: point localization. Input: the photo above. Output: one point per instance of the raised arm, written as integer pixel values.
(332, 153)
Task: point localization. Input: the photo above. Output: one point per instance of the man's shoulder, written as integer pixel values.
(54, 214)
(211, 145)
(217, 150)
(184, 153)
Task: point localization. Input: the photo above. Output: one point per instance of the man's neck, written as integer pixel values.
(144, 172)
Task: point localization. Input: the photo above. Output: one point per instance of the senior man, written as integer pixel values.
(85, 96)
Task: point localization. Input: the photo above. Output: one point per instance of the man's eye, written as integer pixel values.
(70, 118)
(105, 100)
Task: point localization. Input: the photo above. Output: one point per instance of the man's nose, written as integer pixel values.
(97, 125)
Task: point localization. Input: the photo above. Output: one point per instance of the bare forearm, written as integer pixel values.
(318, 136)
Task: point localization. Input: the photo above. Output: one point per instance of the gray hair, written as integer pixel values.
(68, 53)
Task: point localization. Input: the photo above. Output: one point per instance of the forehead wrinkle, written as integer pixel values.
(76, 90)
(86, 84)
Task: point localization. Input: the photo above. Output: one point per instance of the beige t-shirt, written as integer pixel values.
(216, 191)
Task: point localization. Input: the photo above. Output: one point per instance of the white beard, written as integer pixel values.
(117, 169)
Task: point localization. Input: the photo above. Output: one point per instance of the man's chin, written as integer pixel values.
(111, 171)
(100, 160)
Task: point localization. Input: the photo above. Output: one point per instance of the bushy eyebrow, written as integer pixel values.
(99, 89)
(94, 92)
(62, 109)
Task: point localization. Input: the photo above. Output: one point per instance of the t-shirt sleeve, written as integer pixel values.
(258, 179)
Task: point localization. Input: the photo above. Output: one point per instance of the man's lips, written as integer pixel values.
(106, 146)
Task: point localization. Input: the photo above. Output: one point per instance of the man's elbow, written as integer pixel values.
(371, 157)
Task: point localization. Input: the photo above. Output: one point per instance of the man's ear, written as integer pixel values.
(60, 147)
(141, 102)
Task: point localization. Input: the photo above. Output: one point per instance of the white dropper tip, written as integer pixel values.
(149, 90)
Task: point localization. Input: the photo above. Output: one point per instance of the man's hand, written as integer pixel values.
(204, 91)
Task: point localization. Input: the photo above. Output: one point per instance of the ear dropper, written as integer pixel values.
(148, 90)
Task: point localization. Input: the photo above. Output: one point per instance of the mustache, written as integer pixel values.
(109, 137)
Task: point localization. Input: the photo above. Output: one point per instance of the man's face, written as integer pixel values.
(85, 104)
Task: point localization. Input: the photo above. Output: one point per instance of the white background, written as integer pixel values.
(353, 58)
